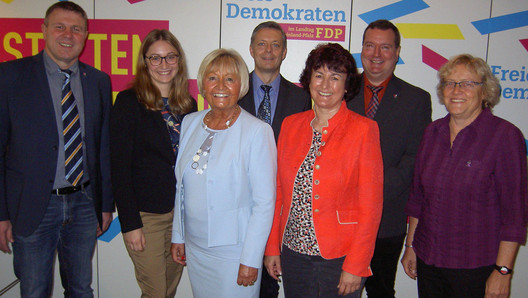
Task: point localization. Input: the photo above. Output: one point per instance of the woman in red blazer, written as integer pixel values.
(329, 186)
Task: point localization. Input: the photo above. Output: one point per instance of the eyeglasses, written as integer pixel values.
(463, 84)
(156, 60)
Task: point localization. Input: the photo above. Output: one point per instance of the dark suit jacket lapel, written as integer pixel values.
(88, 98)
(43, 95)
(247, 102)
(357, 103)
(282, 104)
(389, 101)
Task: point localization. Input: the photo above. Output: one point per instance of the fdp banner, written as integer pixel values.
(306, 23)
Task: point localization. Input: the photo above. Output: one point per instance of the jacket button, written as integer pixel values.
(316, 197)
(325, 131)
(316, 182)
(318, 153)
(317, 167)
(316, 210)
(54, 148)
(323, 143)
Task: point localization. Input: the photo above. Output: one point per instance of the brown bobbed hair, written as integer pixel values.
(228, 59)
(490, 87)
(180, 101)
(335, 58)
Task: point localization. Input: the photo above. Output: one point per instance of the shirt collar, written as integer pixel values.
(473, 127)
(53, 68)
(257, 82)
(384, 83)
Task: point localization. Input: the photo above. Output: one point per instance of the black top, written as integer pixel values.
(142, 161)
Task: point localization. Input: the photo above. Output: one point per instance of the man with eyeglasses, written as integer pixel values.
(271, 97)
(55, 194)
(402, 112)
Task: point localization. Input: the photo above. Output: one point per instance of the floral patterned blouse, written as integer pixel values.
(299, 234)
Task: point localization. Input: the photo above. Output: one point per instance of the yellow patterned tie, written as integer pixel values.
(72, 133)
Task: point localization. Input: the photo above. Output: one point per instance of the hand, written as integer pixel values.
(498, 285)
(178, 253)
(135, 240)
(247, 276)
(348, 283)
(273, 265)
(409, 262)
(6, 236)
(107, 220)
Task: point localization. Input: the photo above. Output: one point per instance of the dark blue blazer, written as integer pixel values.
(403, 114)
(29, 140)
(142, 161)
(291, 100)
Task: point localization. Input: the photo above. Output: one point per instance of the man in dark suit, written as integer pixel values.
(402, 112)
(268, 49)
(55, 193)
(271, 97)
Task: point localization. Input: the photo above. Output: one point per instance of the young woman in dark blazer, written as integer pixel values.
(144, 136)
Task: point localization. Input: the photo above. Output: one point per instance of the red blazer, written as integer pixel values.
(347, 194)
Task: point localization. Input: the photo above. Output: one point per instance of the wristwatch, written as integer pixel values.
(503, 270)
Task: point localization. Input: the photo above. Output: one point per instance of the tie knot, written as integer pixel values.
(66, 72)
(375, 89)
(266, 88)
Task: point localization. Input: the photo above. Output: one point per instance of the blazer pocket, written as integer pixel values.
(347, 217)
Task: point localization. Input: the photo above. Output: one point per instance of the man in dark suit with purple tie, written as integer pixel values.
(402, 112)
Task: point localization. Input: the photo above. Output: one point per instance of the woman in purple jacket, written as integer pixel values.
(468, 205)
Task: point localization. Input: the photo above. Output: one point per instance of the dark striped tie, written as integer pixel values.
(374, 101)
(73, 157)
(264, 111)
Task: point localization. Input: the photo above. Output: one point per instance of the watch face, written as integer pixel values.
(503, 270)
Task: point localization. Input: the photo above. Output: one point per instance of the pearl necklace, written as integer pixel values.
(229, 120)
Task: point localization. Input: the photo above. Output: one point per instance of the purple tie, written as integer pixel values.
(374, 101)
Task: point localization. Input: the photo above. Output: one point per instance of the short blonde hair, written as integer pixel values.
(225, 58)
(490, 84)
